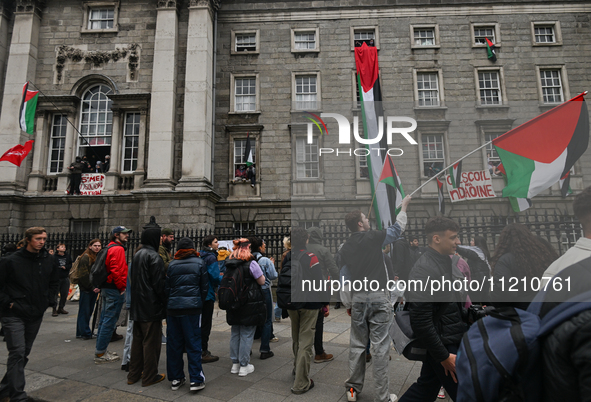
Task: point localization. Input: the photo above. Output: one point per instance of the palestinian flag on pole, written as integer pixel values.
(248, 156)
(390, 177)
(27, 110)
(440, 196)
(518, 204)
(539, 153)
(370, 97)
(455, 173)
(490, 50)
(564, 182)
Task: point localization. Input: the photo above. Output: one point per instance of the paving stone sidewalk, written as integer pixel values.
(61, 368)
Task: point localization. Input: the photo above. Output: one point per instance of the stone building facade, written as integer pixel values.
(172, 89)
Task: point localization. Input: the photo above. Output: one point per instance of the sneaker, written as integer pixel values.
(245, 370)
(351, 395)
(274, 339)
(368, 357)
(107, 357)
(266, 355)
(176, 384)
(393, 398)
(277, 319)
(207, 357)
(197, 386)
(125, 367)
(235, 368)
(324, 357)
(441, 394)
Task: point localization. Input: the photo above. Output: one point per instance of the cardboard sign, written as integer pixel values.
(92, 183)
(474, 186)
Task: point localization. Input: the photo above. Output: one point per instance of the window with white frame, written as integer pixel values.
(428, 88)
(361, 36)
(363, 167)
(246, 42)
(304, 40)
(424, 36)
(101, 18)
(433, 156)
(131, 138)
(481, 33)
(96, 123)
(239, 161)
(57, 143)
(490, 148)
(244, 229)
(307, 162)
(489, 85)
(551, 83)
(245, 94)
(306, 92)
(544, 34)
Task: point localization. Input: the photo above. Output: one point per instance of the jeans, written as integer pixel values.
(318, 333)
(86, 306)
(145, 351)
(20, 335)
(184, 332)
(241, 340)
(64, 289)
(127, 347)
(278, 311)
(112, 301)
(432, 378)
(371, 316)
(303, 323)
(268, 326)
(206, 322)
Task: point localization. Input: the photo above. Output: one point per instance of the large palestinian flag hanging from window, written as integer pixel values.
(539, 153)
(370, 97)
(27, 110)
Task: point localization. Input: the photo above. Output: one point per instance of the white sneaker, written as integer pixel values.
(235, 368)
(245, 370)
(176, 384)
(351, 395)
(441, 394)
(393, 398)
(197, 386)
(107, 357)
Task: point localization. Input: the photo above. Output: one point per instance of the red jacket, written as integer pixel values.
(117, 267)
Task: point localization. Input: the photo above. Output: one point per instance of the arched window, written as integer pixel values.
(96, 122)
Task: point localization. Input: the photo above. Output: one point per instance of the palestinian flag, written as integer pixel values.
(518, 204)
(539, 153)
(390, 177)
(27, 110)
(455, 173)
(564, 182)
(248, 156)
(490, 50)
(18, 153)
(370, 97)
(440, 196)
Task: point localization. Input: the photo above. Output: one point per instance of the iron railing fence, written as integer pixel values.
(562, 231)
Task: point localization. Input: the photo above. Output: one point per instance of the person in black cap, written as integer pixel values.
(76, 169)
(148, 308)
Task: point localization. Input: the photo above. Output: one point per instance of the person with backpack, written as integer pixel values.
(241, 296)
(81, 275)
(437, 320)
(187, 286)
(370, 310)
(209, 254)
(258, 247)
(109, 274)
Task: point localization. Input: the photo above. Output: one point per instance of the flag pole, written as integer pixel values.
(370, 205)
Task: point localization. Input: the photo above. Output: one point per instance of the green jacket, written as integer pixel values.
(84, 274)
(165, 255)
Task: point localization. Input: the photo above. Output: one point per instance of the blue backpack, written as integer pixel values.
(499, 359)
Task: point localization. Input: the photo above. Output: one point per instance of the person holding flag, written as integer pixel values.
(249, 159)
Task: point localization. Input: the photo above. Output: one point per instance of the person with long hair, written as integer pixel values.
(87, 292)
(245, 319)
(287, 248)
(519, 257)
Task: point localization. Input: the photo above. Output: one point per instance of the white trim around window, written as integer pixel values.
(245, 106)
(546, 33)
(493, 91)
(305, 91)
(363, 31)
(305, 40)
(424, 36)
(100, 16)
(246, 42)
(428, 88)
(558, 85)
(491, 27)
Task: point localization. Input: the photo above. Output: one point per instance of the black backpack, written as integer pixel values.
(98, 271)
(290, 273)
(233, 292)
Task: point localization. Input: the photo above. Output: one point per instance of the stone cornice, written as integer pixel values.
(214, 5)
(58, 103)
(29, 6)
(167, 4)
(139, 101)
(233, 128)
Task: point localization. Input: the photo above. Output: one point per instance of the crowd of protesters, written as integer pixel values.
(181, 287)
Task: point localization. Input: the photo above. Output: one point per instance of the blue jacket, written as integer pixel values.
(267, 267)
(210, 258)
(186, 283)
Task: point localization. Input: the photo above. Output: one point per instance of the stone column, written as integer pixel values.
(112, 176)
(163, 106)
(141, 154)
(197, 125)
(21, 67)
(5, 14)
(36, 177)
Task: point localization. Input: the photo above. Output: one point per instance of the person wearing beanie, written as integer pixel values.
(166, 246)
(187, 284)
(147, 309)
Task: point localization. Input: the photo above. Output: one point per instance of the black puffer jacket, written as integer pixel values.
(254, 311)
(147, 279)
(187, 283)
(30, 281)
(450, 327)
